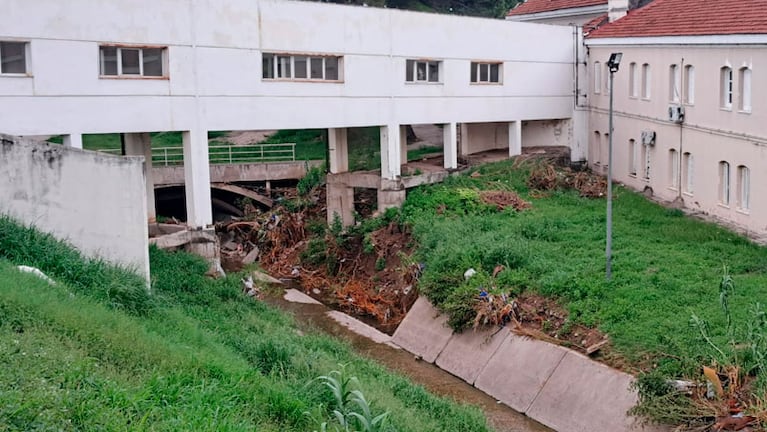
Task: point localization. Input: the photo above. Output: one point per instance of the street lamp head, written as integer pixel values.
(614, 62)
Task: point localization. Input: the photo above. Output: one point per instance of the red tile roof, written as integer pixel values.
(690, 18)
(536, 6)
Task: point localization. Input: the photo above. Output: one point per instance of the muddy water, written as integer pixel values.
(437, 381)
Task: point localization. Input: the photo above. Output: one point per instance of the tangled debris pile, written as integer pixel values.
(503, 199)
(544, 177)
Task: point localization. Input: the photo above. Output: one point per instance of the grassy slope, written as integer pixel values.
(665, 266)
(196, 355)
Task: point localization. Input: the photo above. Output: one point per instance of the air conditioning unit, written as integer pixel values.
(648, 138)
(676, 114)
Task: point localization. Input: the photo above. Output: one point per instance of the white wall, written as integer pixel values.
(92, 200)
(215, 83)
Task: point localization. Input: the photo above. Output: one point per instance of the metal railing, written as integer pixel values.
(225, 154)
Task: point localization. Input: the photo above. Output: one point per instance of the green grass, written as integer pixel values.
(310, 143)
(419, 154)
(665, 266)
(195, 355)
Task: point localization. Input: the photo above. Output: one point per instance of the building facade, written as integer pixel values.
(689, 119)
(138, 66)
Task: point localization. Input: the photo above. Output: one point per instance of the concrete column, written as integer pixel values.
(390, 152)
(74, 140)
(515, 138)
(199, 212)
(403, 144)
(140, 144)
(449, 145)
(390, 198)
(465, 139)
(340, 200)
(338, 145)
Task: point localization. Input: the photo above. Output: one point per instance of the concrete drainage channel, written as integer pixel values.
(374, 344)
(560, 388)
(557, 387)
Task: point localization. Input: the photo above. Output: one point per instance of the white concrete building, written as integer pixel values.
(137, 66)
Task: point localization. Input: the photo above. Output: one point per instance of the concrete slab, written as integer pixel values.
(423, 332)
(467, 353)
(359, 327)
(296, 296)
(518, 371)
(585, 396)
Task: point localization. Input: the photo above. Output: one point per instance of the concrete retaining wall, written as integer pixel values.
(94, 201)
(558, 387)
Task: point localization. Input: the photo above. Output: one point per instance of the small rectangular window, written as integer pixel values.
(632, 157)
(689, 79)
(688, 168)
(331, 68)
(633, 80)
(483, 72)
(301, 67)
(13, 57)
(597, 77)
(152, 58)
(745, 90)
(422, 71)
(724, 183)
(283, 67)
(646, 81)
(726, 88)
(317, 68)
(132, 61)
(267, 66)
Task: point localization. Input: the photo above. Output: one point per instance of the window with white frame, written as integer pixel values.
(726, 88)
(607, 79)
(633, 80)
(673, 168)
(301, 67)
(674, 83)
(632, 157)
(745, 89)
(724, 183)
(423, 71)
(646, 81)
(744, 188)
(597, 77)
(688, 171)
(596, 143)
(128, 61)
(689, 80)
(486, 73)
(13, 58)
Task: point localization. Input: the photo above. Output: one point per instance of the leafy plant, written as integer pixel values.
(350, 409)
(315, 177)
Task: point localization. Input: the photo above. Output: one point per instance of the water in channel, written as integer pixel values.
(501, 417)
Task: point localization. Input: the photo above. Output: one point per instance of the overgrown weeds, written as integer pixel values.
(119, 287)
(203, 357)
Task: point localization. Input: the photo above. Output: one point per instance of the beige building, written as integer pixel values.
(690, 112)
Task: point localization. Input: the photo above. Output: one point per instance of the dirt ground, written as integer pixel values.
(247, 137)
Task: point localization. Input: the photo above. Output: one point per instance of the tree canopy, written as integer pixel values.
(483, 8)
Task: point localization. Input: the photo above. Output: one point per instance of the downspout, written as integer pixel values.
(681, 131)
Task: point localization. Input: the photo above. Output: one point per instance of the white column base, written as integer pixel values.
(450, 145)
(74, 140)
(338, 146)
(391, 166)
(515, 138)
(140, 144)
(199, 210)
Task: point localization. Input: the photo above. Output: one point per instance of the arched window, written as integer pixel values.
(744, 187)
(745, 89)
(596, 143)
(724, 183)
(688, 172)
(673, 168)
(726, 88)
(633, 80)
(674, 83)
(646, 81)
(597, 77)
(689, 79)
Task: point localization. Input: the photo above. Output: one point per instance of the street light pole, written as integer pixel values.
(613, 64)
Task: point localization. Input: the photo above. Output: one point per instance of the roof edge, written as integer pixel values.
(717, 39)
